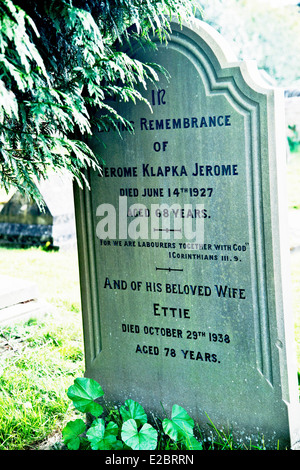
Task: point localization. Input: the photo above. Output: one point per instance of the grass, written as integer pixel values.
(39, 359)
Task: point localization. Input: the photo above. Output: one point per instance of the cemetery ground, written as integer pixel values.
(39, 359)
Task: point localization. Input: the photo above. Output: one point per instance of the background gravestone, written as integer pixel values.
(19, 300)
(195, 312)
(22, 222)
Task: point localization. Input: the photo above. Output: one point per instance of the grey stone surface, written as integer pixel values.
(19, 300)
(199, 314)
(21, 312)
(14, 291)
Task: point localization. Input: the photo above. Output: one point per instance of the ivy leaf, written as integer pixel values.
(191, 443)
(180, 425)
(102, 438)
(71, 433)
(83, 393)
(133, 410)
(143, 439)
(96, 433)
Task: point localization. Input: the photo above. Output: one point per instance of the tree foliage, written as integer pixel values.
(60, 60)
(266, 31)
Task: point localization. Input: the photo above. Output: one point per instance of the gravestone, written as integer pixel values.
(23, 222)
(182, 251)
(19, 300)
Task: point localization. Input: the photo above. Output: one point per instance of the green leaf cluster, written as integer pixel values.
(180, 428)
(83, 394)
(127, 429)
(60, 63)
